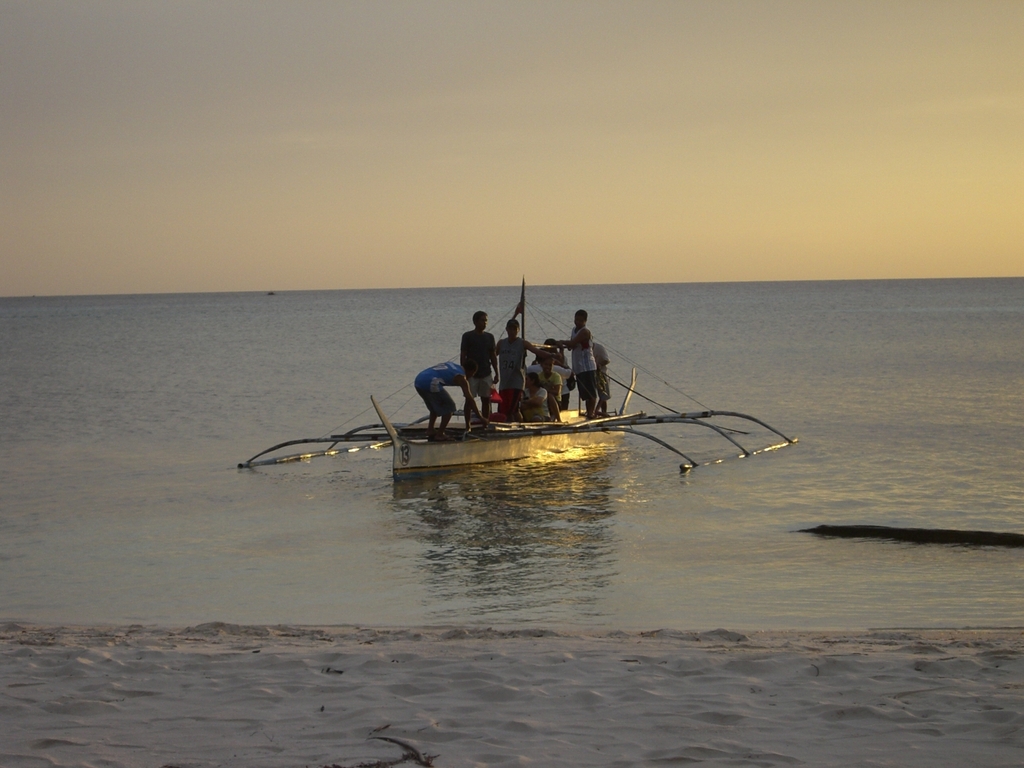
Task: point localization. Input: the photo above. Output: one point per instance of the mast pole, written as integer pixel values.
(522, 309)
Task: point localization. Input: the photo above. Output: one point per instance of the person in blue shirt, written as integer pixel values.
(430, 384)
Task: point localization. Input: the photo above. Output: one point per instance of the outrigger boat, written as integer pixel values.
(506, 442)
(414, 454)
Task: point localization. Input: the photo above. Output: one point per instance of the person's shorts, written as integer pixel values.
(586, 382)
(481, 387)
(510, 399)
(603, 393)
(438, 403)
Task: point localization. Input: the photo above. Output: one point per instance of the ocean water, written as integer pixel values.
(122, 420)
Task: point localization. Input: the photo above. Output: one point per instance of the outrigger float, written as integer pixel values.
(414, 455)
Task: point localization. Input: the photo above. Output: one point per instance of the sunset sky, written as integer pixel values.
(222, 146)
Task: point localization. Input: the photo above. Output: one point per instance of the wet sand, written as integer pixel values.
(228, 695)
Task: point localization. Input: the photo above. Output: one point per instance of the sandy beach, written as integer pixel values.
(227, 695)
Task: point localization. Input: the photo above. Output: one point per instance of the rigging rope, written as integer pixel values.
(650, 373)
(337, 429)
(645, 397)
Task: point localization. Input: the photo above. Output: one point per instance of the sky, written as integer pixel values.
(150, 147)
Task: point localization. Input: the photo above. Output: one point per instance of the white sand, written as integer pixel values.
(282, 696)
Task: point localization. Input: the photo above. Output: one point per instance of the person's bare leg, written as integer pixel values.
(441, 434)
(553, 408)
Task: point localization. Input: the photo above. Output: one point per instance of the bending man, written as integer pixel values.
(430, 385)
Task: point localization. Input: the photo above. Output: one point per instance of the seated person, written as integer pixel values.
(551, 381)
(534, 403)
(557, 366)
(430, 384)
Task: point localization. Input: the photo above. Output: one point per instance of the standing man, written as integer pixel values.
(512, 369)
(430, 384)
(478, 346)
(584, 366)
(603, 388)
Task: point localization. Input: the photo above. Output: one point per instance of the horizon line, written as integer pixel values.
(276, 291)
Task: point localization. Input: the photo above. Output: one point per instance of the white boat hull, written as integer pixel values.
(419, 456)
(413, 456)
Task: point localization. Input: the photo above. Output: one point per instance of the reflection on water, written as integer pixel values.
(532, 536)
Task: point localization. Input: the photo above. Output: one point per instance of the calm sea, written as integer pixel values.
(122, 419)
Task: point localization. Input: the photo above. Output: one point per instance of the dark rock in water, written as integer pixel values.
(920, 535)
